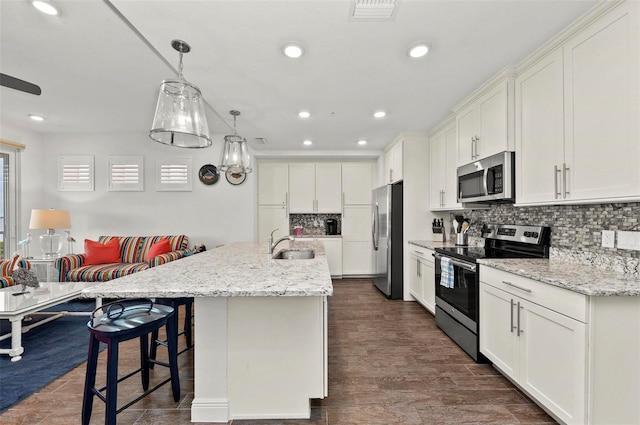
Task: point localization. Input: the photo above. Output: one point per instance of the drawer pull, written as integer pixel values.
(421, 253)
(527, 290)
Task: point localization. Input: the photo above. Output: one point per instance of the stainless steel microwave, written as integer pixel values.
(490, 179)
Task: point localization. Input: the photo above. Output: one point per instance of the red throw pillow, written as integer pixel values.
(161, 247)
(99, 253)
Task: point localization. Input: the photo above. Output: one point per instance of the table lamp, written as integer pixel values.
(50, 242)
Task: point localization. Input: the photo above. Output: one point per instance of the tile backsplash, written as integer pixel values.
(576, 230)
(312, 224)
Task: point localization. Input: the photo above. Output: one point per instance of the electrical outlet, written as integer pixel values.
(629, 240)
(608, 238)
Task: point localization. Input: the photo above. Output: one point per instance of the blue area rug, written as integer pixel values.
(50, 351)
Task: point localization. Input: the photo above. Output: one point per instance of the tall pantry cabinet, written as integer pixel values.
(273, 200)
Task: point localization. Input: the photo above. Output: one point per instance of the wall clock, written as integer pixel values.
(208, 174)
(235, 176)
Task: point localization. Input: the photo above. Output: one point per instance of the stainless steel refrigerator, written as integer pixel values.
(387, 239)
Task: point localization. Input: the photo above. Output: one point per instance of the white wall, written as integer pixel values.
(213, 215)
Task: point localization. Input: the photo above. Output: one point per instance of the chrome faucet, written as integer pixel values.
(272, 244)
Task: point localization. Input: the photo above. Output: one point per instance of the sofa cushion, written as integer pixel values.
(161, 247)
(6, 281)
(129, 247)
(101, 253)
(104, 272)
(178, 243)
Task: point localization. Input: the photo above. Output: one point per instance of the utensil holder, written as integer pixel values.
(462, 239)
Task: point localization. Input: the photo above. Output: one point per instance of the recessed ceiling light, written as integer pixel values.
(45, 7)
(380, 114)
(362, 142)
(292, 50)
(418, 50)
(36, 117)
(304, 114)
(307, 143)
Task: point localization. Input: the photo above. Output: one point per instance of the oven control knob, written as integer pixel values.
(452, 311)
(527, 234)
(534, 234)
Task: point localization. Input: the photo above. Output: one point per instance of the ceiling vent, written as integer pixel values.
(372, 10)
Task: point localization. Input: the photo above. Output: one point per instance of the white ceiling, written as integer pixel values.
(99, 75)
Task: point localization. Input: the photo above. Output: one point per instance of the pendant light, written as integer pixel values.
(180, 119)
(235, 154)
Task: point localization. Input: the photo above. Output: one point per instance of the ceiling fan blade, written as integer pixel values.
(18, 84)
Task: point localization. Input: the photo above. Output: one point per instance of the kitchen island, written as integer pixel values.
(260, 327)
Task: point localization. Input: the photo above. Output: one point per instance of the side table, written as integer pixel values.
(47, 262)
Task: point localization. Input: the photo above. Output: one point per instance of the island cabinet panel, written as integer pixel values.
(276, 356)
(333, 251)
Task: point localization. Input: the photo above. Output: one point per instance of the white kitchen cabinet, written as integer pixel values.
(357, 183)
(273, 182)
(602, 101)
(443, 178)
(536, 335)
(484, 121)
(577, 116)
(422, 277)
(540, 131)
(333, 252)
(393, 162)
(271, 217)
(356, 240)
(315, 188)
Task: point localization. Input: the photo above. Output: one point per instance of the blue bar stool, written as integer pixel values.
(187, 331)
(121, 321)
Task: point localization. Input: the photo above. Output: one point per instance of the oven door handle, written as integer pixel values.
(466, 266)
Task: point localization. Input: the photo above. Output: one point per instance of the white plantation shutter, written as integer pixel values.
(75, 173)
(126, 173)
(174, 174)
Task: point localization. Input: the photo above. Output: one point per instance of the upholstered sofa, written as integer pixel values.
(6, 267)
(134, 252)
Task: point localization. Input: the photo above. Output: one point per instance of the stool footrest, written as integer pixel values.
(143, 395)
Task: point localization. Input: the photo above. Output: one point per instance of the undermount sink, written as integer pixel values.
(295, 254)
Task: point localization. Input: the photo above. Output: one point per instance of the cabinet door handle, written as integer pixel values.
(419, 267)
(520, 331)
(527, 290)
(390, 175)
(442, 198)
(556, 193)
(286, 204)
(474, 147)
(564, 179)
(511, 327)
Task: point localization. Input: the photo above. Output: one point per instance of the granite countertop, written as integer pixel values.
(584, 279)
(235, 270)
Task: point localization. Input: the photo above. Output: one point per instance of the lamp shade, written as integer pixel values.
(50, 219)
(180, 119)
(235, 154)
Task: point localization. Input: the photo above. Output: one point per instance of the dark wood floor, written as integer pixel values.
(388, 364)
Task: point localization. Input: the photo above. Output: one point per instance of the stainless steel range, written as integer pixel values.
(458, 278)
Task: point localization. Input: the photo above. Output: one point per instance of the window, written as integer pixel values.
(9, 200)
(174, 175)
(75, 173)
(126, 173)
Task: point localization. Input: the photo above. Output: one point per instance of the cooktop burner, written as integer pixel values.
(505, 241)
